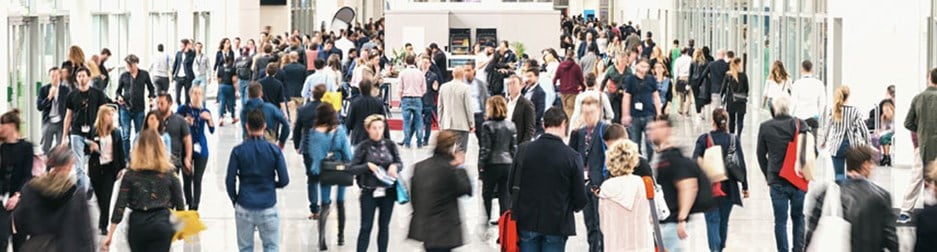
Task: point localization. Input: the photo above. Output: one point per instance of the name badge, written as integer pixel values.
(197, 147)
(639, 106)
(85, 129)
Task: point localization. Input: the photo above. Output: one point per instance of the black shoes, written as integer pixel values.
(886, 161)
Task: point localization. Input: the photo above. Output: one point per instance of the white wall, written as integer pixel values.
(4, 64)
(277, 17)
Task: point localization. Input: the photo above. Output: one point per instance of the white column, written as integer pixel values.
(4, 63)
(79, 18)
(185, 21)
(138, 36)
(248, 21)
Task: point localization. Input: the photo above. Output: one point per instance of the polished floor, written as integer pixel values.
(750, 228)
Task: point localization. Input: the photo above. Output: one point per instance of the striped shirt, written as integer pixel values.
(852, 127)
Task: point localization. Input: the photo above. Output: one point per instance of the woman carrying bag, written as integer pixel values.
(846, 130)
(497, 146)
(327, 138)
(107, 160)
(735, 94)
(375, 164)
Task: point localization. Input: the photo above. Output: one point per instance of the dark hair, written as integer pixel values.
(326, 116)
(411, 60)
(132, 59)
(256, 120)
(615, 131)
(161, 128)
(433, 46)
(185, 41)
(444, 142)
(590, 79)
(268, 48)
(665, 118)
(676, 42)
(83, 69)
(165, 95)
(319, 91)
(807, 66)
(856, 156)
(12, 116)
(554, 117)
(159, 48)
(58, 156)
(106, 51)
(593, 48)
(319, 63)
(272, 68)
(691, 43)
(720, 119)
(933, 75)
(535, 70)
(55, 68)
(221, 45)
(365, 86)
(255, 90)
(407, 45)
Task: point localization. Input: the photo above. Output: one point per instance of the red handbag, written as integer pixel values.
(507, 233)
(788, 169)
(717, 187)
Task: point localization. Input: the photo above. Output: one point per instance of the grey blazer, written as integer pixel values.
(455, 106)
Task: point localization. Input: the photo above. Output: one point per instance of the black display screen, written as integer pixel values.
(272, 2)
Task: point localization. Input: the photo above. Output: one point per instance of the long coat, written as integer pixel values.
(435, 190)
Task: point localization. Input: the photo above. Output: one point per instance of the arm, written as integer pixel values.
(44, 100)
(761, 151)
(467, 104)
(23, 173)
(283, 176)
(530, 122)
(910, 121)
(484, 147)
(812, 214)
(123, 198)
(463, 186)
(66, 125)
(359, 163)
(700, 147)
(175, 189)
(740, 152)
(657, 103)
(231, 177)
(889, 234)
(284, 127)
(307, 88)
(298, 134)
(609, 111)
(686, 195)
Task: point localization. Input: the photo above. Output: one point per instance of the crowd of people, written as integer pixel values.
(590, 131)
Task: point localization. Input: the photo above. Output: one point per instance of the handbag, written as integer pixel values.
(403, 196)
(712, 162)
(508, 236)
(791, 161)
(833, 232)
(734, 163)
(332, 171)
(655, 195)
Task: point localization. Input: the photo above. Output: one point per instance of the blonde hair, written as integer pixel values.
(839, 100)
(621, 158)
(734, 68)
(150, 153)
(698, 56)
(104, 129)
(496, 108)
(76, 55)
(371, 119)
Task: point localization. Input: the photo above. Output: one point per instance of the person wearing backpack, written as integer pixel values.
(725, 193)
(687, 191)
(242, 66)
(865, 205)
(773, 138)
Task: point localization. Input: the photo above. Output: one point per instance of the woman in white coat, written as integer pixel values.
(624, 211)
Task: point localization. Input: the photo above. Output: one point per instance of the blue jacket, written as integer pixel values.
(317, 146)
(260, 168)
(197, 129)
(275, 118)
(595, 161)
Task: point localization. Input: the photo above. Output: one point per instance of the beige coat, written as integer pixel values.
(625, 215)
(455, 106)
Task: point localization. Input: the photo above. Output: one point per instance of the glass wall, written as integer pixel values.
(163, 31)
(304, 18)
(932, 36)
(111, 31)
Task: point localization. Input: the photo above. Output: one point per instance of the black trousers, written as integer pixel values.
(183, 83)
(150, 231)
(192, 184)
(813, 123)
(162, 84)
(102, 180)
(7, 230)
(590, 216)
(495, 184)
(737, 117)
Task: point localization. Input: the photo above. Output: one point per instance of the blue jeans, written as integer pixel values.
(312, 184)
(78, 147)
(412, 110)
(226, 98)
(126, 117)
(369, 204)
(782, 197)
(839, 160)
(717, 224)
(537, 242)
(429, 116)
(242, 85)
(198, 81)
(265, 221)
(668, 234)
(637, 130)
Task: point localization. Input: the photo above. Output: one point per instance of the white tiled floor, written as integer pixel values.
(751, 227)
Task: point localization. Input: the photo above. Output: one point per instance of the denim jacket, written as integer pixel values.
(317, 146)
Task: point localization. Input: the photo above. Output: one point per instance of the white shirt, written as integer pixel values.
(160, 65)
(181, 71)
(808, 97)
(682, 66)
(774, 90)
(512, 103)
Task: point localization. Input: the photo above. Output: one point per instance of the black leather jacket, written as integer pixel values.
(867, 207)
(497, 143)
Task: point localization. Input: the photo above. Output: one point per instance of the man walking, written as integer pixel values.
(640, 103)
(51, 103)
(429, 98)
(773, 137)
(260, 168)
(277, 127)
(294, 74)
(588, 142)
(922, 120)
(185, 57)
(571, 81)
(479, 92)
(132, 99)
(536, 95)
(180, 137)
(808, 97)
(160, 69)
(520, 111)
(456, 107)
(547, 183)
(412, 89)
(82, 108)
(273, 88)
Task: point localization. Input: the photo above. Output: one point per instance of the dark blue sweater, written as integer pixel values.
(261, 168)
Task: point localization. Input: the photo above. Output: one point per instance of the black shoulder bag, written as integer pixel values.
(332, 171)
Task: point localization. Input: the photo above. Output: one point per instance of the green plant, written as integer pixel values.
(519, 48)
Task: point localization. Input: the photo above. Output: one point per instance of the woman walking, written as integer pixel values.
(16, 158)
(497, 145)
(376, 164)
(327, 137)
(437, 184)
(663, 84)
(624, 210)
(150, 189)
(846, 130)
(224, 53)
(227, 90)
(198, 118)
(699, 85)
(735, 93)
(107, 160)
(726, 193)
(777, 85)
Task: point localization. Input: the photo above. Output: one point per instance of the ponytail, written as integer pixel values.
(721, 119)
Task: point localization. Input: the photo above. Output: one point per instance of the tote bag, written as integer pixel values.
(833, 232)
(712, 163)
(791, 161)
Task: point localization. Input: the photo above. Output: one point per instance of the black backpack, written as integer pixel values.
(243, 66)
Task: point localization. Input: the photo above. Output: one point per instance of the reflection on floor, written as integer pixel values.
(750, 229)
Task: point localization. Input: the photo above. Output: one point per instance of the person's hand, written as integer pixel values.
(626, 120)
(596, 191)
(373, 167)
(64, 140)
(237, 94)
(190, 120)
(472, 129)
(205, 115)
(53, 91)
(12, 201)
(120, 100)
(187, 164)
(745, 194)
(799, 172)
(93, 146)
(281, 145)
(392, 171)
(681, 230)
(106, 245)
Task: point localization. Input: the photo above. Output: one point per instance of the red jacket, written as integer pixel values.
(570, 76)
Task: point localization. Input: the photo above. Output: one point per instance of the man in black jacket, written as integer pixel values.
(717, 74)
(773, 137)
(865, 205)
(521, 111)
(439, 58)
(184, 59)
(51, 102)
(132, 99)
(273, 88)
(589, 143)
(547, 180)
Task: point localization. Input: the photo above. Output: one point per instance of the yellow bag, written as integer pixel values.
(187, 224)
(333, 98)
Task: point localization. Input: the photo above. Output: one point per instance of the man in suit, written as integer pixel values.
(294, 76)
(184, 59)
(589, 143)
(717, 73)
(520, 111)
(536, 95)
(439, 58)
(547, 183)
(51, 102)
(455, 107)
